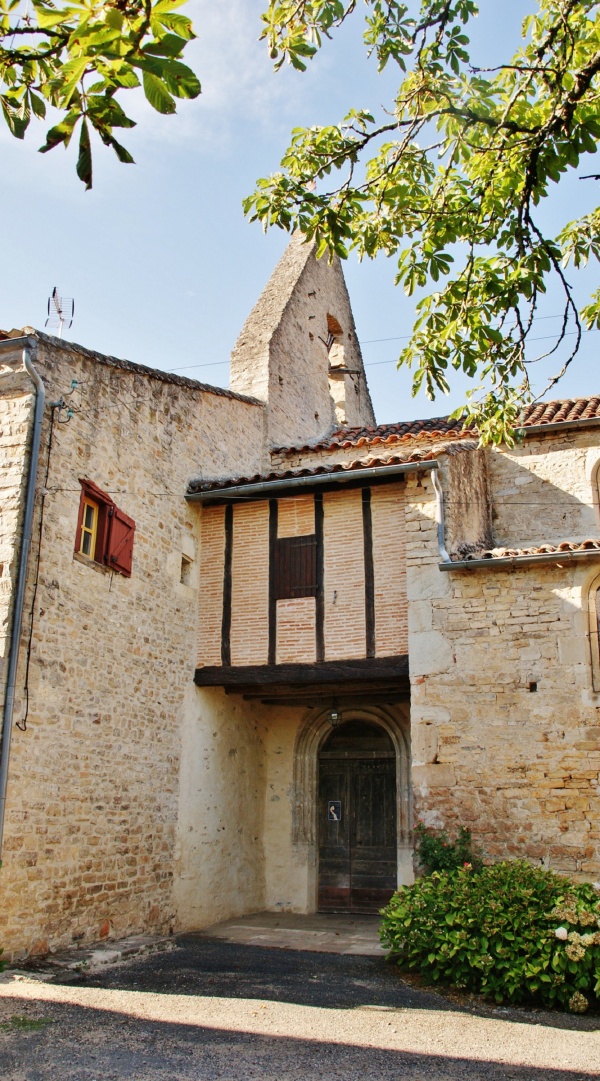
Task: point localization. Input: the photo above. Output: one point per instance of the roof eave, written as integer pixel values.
(493, 562)
(557, 426)
(281, 484)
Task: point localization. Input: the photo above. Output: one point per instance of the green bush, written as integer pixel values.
(436, 852)
(511, 931)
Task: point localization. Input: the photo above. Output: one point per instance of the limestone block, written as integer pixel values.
(426, 582)
(572, 650)
(429, 652)
(434, 775)
(424, 743)
(420, 615)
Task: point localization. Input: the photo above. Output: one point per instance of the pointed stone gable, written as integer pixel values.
(299, 352)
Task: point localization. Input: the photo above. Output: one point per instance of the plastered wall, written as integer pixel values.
(219, 854)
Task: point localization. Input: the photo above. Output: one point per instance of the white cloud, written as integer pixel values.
(237, 77)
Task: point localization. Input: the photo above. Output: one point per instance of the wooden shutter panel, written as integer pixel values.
(119, 554)
(295, 567)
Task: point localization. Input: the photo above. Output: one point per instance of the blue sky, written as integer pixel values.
(158, 256)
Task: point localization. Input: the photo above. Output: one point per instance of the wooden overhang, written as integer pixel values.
(376, 679)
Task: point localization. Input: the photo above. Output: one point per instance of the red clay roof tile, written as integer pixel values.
(568, 410)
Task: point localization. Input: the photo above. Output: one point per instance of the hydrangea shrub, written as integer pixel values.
(435, 850)
(511, 931)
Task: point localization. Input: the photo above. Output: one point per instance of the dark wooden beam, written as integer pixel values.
(273, 519)
(354, 701)
(371, 670)
(320, 595)
(369, 573)
(226, 618)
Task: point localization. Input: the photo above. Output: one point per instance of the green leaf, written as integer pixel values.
(84, 160)
(157, 93)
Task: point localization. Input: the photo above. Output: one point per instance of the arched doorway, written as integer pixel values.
(357, 818)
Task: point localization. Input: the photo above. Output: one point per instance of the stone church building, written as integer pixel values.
(249, 636)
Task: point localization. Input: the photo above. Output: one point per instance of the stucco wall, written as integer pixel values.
(94, 780)
(219, 864)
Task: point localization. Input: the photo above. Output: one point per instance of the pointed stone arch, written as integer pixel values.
(312, 732)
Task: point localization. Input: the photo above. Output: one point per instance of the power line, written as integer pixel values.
(394, 360)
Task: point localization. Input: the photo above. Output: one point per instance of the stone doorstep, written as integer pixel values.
(87, 959)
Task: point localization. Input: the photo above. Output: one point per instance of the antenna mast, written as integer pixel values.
(60, 311)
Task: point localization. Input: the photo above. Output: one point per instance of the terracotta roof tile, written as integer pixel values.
(589, 545)
(568, 410)
(316, 471)
(381, 433)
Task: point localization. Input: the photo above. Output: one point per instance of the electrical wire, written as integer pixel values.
(394, 360)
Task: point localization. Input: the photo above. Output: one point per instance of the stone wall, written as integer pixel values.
(94, 784)
(282, 353)
(546, 488)
(505, 731)
(16, 410)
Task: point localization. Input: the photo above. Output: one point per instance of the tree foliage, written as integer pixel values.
(76, 57)
(451, 180)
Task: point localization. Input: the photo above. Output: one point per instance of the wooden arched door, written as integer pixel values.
(357, 819)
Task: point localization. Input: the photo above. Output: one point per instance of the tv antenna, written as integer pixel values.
(60, 311)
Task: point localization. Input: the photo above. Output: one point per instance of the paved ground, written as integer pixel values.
(218, 1010)
(287, 931)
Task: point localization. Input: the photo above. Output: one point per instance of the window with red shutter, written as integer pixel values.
(119, 552)
(104, 532)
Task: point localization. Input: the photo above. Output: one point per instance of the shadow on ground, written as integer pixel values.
(201, 965)
(84, 1044)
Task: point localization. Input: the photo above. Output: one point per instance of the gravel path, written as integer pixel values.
(219, 1010)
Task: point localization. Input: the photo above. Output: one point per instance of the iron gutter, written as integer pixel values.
(266, 487)
(512, 561)
(27, 346)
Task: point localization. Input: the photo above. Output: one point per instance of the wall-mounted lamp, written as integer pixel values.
(335, 716)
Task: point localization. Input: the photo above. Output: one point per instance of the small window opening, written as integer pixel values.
(335, 343)
(104, 533)
(532, 686)
(89, 529)
(186, 571)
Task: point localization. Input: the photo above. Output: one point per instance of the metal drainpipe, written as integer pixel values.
(440, 516)
(17, 619)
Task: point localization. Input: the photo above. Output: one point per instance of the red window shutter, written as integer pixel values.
(119, 553)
